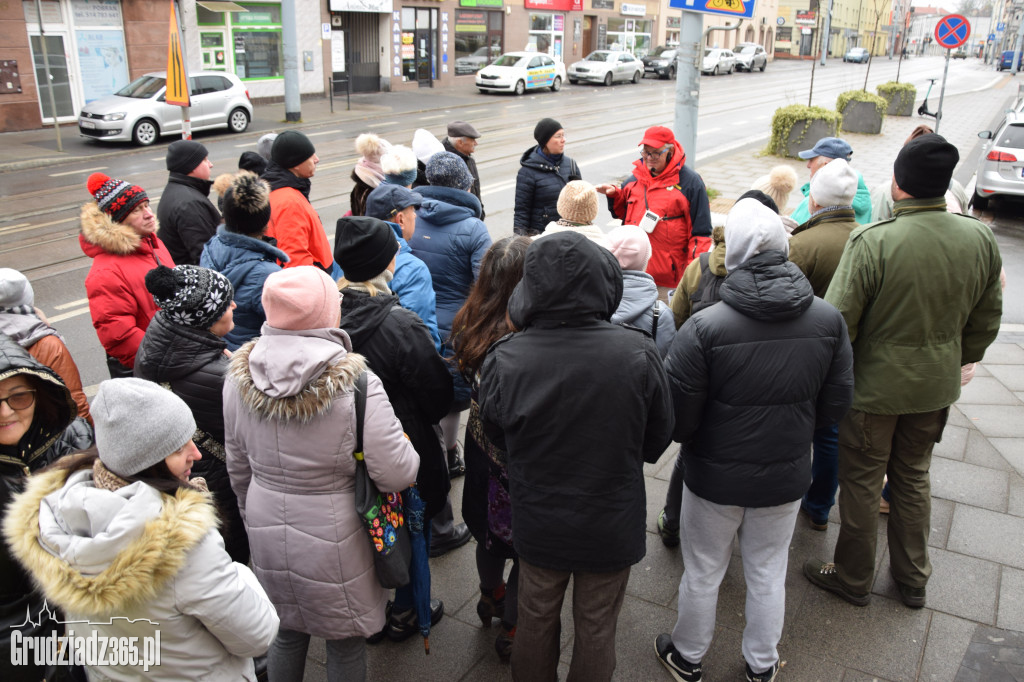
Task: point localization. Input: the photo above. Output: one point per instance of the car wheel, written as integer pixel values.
(672, 74)
(556, 85)
(573, 81)
(520, 87)
(608, 78)
(238, 120)
(636, 77)
(979, 202)
(764, 65)
(729, 71)
(714, 71)
(145, 132)
(482, 91)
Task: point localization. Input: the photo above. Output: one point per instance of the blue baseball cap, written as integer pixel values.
(832, 147)
(387, 200)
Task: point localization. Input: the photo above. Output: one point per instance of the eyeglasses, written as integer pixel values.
(558, 136)
(22, 400)
(657, 154)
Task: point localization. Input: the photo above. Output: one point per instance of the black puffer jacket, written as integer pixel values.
(579, 404)
(187, 217)
(537, 188)
(752, 377)
(42, 444)
(192, 363)
(399, 350)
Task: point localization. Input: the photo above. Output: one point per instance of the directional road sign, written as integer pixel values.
(743, 9)
(952, 31)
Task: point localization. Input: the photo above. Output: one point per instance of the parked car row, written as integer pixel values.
(1001, 166)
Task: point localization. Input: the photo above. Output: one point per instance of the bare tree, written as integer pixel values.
(877, 8)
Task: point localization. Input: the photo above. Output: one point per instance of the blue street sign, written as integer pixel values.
(991, 37)
(1001, 26)
(742, 9)
(952, 31)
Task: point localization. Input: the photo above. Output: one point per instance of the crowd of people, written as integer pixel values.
(263, 383)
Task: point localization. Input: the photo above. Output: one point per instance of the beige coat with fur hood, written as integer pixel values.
(136, 553)
(289, 435)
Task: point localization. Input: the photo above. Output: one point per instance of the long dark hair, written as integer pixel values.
(482, 320)
(157, 476)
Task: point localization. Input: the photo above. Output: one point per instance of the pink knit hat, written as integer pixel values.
(631, 247)
(303, 297)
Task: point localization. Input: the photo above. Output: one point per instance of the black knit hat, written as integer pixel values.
(364, 247)
(116, 198)
(924, 166)
(253, 162)
(246, 204)
(183, 156)
(190, 295)
(545, 130)
(291, 148)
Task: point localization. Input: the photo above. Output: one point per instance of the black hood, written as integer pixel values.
(362, 314)
(171, 351)
(278, 177)
(566, 279)
(768, 287)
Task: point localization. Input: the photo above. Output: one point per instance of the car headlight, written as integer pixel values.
(118, 116)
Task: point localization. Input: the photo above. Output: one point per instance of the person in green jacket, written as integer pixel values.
(824, 150)
(921, 297)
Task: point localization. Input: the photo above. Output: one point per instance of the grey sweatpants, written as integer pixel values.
(706, 535)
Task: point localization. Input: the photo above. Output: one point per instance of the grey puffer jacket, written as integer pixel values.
(289, 432)
(638, 305)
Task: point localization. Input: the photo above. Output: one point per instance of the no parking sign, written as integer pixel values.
(952, 31)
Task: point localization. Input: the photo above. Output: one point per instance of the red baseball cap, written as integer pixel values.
(658, 137)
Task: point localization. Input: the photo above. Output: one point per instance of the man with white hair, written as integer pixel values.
(462, 141)
(751, 378)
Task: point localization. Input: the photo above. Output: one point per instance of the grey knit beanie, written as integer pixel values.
(447, 170)
(138, 424)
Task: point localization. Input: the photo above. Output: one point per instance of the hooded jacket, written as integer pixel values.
(675, 240)
(782, 366)
(293, 221)
(414, 286)
(638, 306)
(452, 240)
(538, 185)
(187, 217)
(108, 558)
(119, 303)
(817, 245)
(246, 262)
(579, 404)
(289, 421)
(398, 348)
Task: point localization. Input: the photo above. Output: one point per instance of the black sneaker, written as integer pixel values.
(669, 533)
(767, 676)
(456, 464)
(681, 669)
(441, 546)
(403, 624)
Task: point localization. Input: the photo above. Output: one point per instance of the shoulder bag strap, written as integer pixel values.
(360, 398)
(657, 314)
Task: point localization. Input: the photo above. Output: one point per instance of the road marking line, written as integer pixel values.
(431, 118)
(246, 144)
(72, 304)
(325, 132)
(159, 158)
(385, 123)
(475, 111)
(12, 228)
(75, 172)
(69, 314)
(739, 123)
(709, 130)
(514, 106)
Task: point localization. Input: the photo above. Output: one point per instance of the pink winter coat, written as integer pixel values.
(289, 434)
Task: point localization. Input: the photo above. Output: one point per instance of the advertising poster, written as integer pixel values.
(102, 62)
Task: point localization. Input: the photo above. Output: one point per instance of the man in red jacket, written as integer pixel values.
(658, 198)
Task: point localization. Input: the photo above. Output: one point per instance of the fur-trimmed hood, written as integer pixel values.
(285, 375)
(96, 552)
(102, 232)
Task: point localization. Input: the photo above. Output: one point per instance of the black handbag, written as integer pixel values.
(382, 514)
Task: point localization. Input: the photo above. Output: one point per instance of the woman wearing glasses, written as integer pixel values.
(545, 170)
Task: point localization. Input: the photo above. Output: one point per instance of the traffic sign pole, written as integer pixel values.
(951, 32)
(942, 94)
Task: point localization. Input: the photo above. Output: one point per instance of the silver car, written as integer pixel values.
(607, 66)
(138, 112)
(718, 60)
(1001, 168)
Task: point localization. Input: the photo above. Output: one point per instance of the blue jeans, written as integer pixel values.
(821, 495)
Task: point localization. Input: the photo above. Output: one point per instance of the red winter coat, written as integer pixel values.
(673, 244)
(120, 305)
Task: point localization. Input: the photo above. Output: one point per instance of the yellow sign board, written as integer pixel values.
(177, 79)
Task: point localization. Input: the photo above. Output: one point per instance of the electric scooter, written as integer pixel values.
(923, 109)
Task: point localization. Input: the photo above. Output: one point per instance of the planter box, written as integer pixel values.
(894, 105)
(861, 117)
(805, 133)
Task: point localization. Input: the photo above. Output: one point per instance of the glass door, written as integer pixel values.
(59, 76)
(426, 46)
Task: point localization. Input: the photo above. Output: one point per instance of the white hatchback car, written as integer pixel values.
(607, 66)
(138, 113)
(718, 60)
(519, 71)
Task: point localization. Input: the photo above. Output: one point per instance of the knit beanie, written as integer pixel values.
(15, 291)
(446, 169)
(924, 166)
(758, 195)
(183, 156)
(835, 184)
(190, 295)
(631, 247)
(252, 162)
(425, 145)
(399, 166)
(363, 247)
(300, 298)
(752, 228)
(116, 198)
(246, 204)
(291, 148)
(778, 184)
(265, 144)
(577, 203)
(138, 424)
(545, 130)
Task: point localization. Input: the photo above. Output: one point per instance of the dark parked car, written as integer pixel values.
(1006, 61)
(661, 62)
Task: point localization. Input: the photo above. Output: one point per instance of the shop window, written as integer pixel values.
(477, 40)
(205, 17)
(546, 32)
(262, 14)
(261, 54)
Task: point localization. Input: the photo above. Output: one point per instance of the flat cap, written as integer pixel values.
(462, 129)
